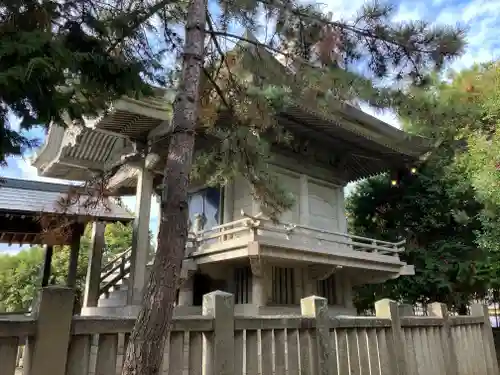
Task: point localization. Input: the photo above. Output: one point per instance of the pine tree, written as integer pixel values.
(413, 50)
(322, 53)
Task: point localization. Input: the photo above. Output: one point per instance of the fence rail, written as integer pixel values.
(219, 343)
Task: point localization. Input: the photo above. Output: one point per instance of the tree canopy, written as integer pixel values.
(448, 210)
(64, 60)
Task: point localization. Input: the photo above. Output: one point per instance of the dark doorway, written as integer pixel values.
(203, 284)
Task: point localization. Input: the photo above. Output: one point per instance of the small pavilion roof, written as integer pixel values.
(24, 202)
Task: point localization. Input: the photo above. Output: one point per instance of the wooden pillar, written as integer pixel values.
(347, 291)
(47, 265)
(259, 292)
(322, 362)
(387, 309)
(304, 200)
(228, 203)
(140, 236)
(219, 349)
(76, 233)
(92, 281)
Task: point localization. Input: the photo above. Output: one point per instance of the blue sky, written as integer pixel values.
(482, 17)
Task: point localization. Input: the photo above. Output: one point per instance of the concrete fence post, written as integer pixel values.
(49, 349)
(388, 309)
(441, 311)
(317, 307)
(488, 341)
(218, 349)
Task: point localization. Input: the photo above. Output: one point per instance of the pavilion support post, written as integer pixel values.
(140, 236)
(93, 279)
(76, 233)
(228, 203)
(47, 265)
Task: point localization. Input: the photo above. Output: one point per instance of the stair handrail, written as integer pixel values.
(115, 258)
(104, 289)
(118, 262)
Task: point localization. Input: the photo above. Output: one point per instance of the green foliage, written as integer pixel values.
(449, 211)
(371, 37)
(63, 58)
(20, 274)
(244, 91)
(118, 238)
(73, 58)
(439, 222)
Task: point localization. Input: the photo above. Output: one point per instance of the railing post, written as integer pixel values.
(441, 311)
(317, 307)
(488, 343)
(49, 349)
(218, 350)
(388, 309)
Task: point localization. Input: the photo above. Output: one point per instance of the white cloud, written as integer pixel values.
(13, 122)
(6, 249)
(28, 172)
(481, 17)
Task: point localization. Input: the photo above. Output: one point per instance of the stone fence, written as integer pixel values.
(219, 343)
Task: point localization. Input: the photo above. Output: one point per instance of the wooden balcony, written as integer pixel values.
(292, 243)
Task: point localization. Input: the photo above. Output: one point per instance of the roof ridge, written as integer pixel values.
(20, 183)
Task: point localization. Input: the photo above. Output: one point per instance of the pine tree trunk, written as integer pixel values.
(147, 341)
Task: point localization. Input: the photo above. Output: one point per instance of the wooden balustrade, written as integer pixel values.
(250, 226)
(218, 342)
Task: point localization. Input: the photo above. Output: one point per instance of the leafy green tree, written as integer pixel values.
(449, 210)
(20, 274)
(467, 109)
(438, 219)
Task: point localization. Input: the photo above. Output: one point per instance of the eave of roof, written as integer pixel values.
(24, 197)
(256, 61)
(393, 148)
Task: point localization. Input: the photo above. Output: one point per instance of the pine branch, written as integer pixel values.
(352, 28)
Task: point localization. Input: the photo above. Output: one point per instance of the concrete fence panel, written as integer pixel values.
(218, 342)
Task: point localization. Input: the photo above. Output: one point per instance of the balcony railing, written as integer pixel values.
(253, 229)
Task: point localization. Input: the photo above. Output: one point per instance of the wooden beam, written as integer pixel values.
(80, 164)
(47, 265)
(124, 173)
(92, 281)
(18, 224)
